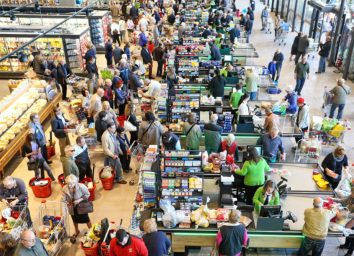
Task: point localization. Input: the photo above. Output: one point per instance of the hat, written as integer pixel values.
(121, 233)
(301, 100)
(289, 89)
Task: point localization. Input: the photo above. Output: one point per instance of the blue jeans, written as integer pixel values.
(322, 65)
(116, 165)
(308, 244)
(253, 95)
(340, 110)
(299, 84)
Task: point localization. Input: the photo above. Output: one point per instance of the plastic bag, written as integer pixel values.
(328, 124)
(169, 218)
(316, 123)
(344, 187)
(205, 158)
(337, 130)
(106, 172)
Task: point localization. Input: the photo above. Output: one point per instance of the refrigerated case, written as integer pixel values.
(99, 29)
(54, 46)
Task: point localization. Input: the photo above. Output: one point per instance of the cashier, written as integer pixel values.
(272, 145)
(266, 195)
(333, 164)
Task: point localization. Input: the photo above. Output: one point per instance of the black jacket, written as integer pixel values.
(100, 127)
(146, 56)
(58, 127)
(279, 58)
(134, 82)
(158, 54)
(216, 86)
(91, 69)
(206, 33)
(134, 12)
(61, 76)
(325, 49)
(108, 50)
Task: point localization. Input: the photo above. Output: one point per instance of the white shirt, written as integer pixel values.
(121, 24)
(141, 67)
(143, 24)
(115, 26)
(243, 109)
(78, 150)
(154, 89)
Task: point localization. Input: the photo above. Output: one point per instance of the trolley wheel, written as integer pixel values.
(73, 240)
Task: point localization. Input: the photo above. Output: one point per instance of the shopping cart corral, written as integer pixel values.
(52, 226)
(14, 219)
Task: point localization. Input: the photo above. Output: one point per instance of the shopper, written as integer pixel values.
(234, 101)
(33, 152)
(340, 94)
(156, 242)
(158, 55)
(126, 244)
(156, 35)
(207, 32)
(214, 51)
(217, 84)
(117, 54)
(112, 150)
(230, 146)
(333, 165)
(108, 92)
(171, 80)
(129, 112)
(7, 244)
(82, 158)
(193, 132)
(272, 145)
(266, 195)
(291, 99)
(272, 68)
(124, 145)
(302, 117)
(115, 33)
(127, 51)
(85, 99)
(252, 80)
(39, 135)
(295, 46)
(147, 59)
(234, 33)
(59, 127)
(232, 236)
(251, 17)
(324, 53)
(95, 104)
(92, 74)
(150, 130)
(212, 133)
(69, 165)
(264, 17)
(63, 71)
(277, 27)
(110, 114)
(73, 194)
(315, 228)
(151, 90)
(134, 83)
(90, 53)
(170, 141)
(120, 97)
(30, 245)
(302, 71)
(271, 121)
(181, 32)
(109, 52)
(101, 124)
(278, 58)
(302, 48)
(13, 193)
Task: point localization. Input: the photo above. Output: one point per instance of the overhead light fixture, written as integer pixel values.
(36, 7)
(12, 16)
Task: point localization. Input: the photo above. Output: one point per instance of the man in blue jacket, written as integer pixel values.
(214, 52)
(278, 58)
(59, 127)
(147, 59)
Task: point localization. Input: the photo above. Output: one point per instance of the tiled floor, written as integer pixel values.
(117, 204)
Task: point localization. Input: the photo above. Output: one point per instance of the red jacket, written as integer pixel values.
(135, 248)
(230, 149)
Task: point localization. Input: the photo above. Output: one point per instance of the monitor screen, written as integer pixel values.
(228, 58)
(272, 211)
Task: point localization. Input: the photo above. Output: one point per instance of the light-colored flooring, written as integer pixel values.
(118, 203)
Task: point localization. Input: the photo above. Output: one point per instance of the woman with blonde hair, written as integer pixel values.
(111, 115)
(333, 165)
(74, 193)
(156, 242)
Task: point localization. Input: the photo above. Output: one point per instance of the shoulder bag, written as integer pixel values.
(346, 92)
(85, 206)
(190, 130)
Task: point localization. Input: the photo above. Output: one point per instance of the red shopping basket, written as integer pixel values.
(61, 180)
(41, 191)
(107, 183)
(90, 251)
(92, 190)
(121, 120)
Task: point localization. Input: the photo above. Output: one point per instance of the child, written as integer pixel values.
(272, 67)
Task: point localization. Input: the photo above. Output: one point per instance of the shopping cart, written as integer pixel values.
(17, 219)
(313, 49)
(282, 34)
(104, 248)
(53, 225)
(269, 26)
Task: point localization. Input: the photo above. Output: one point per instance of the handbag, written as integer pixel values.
(84, 207)
(32, 166)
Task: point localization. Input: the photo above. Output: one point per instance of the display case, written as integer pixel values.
(182, 178)
(99, 22)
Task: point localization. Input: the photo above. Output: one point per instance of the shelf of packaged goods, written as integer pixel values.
(16, 144)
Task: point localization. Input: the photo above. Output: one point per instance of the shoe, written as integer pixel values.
(344, 246)
(317, 72)
(49, 162)
(122, 182)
